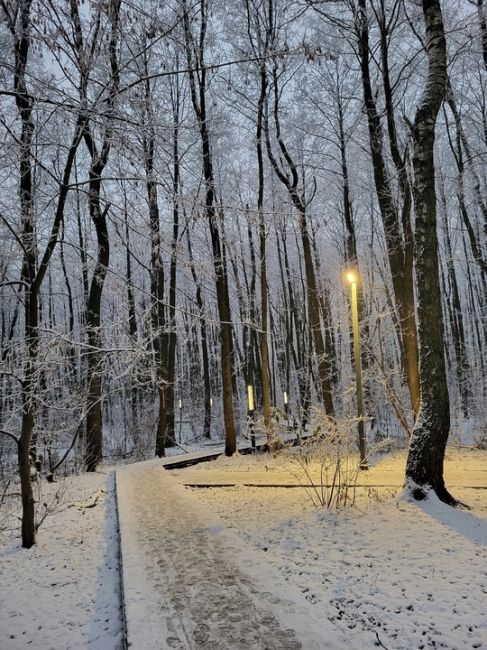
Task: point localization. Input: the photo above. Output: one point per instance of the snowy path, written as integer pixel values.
(190, 583)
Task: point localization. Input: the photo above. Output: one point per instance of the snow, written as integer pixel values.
(65, 592)
(385, 571)
(190, 583)
(403, 574)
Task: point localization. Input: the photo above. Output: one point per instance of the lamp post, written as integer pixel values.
(251, 410)
(352, 279)
(286, 408)
(180, 405)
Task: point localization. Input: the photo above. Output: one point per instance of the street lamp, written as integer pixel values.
(352, 280)
(251, 409)
(286, 407)
(180, 405)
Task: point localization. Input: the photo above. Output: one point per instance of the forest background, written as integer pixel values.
(184, 186)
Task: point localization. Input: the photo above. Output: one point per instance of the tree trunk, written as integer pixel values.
(171, 352)
(424, 467)
(456, 316)
(483, 29)
(325, 369)
(399, 247)
(195, 55)
(204, 343)
(94, 432)
(99, 159)
(33, 272)
(288, 176)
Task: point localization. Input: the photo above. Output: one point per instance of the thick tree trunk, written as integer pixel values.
(424, 467)
(158, 318)
(24, 106)
(25, 452)
(94, 431)
(99, 159)
(223, 301)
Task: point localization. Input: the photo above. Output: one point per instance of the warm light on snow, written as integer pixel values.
(411, 573)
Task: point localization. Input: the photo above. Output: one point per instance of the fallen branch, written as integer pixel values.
(83, 505)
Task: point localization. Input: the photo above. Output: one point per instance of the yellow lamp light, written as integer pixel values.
(250, 397)
(350, 277)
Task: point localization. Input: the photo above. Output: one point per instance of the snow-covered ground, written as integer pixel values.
(65, 591)
(408, 575)
(390, 573)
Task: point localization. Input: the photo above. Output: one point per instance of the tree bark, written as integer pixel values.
(424, 469)
(33, 271)
(99, 159)
(198, 88)
(260, 44)
(399, 246)
(208, 402)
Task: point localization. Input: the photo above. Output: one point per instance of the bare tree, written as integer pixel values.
(34, 268)
(424, 467)
(195, 51)
(99, 153)
(397, 228)
(287, 172)
(260, 33)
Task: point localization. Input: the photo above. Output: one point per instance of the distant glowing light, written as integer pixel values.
(351, 277)
(180, 403)
(285, 397)
(250, 397)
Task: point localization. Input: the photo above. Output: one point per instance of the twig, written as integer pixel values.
(380, 642)
(4, 494)
(9, 435)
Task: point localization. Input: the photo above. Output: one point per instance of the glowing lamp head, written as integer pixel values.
(350, 277)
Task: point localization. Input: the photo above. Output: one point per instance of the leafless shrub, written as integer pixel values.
(332, 449)
(332, 452)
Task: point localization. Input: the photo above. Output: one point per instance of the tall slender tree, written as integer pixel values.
(197, 72)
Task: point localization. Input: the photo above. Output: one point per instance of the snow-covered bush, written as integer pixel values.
(327, 463)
